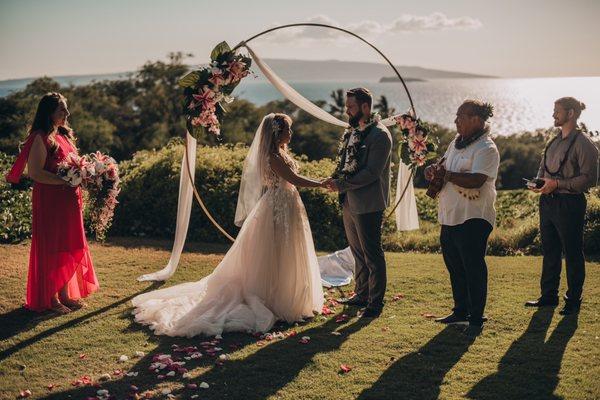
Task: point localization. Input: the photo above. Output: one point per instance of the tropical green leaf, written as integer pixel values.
(219, 49)
(189, 80)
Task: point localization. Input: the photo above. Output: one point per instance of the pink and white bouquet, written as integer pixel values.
(208, 88)
(98, 175)
(416, 146)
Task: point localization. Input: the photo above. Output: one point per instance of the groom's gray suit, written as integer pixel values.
(364, 197)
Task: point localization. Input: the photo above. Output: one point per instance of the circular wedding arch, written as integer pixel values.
(305, 24)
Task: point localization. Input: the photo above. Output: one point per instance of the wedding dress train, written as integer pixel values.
(270, 273)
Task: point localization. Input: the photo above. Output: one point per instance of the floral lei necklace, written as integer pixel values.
(350, 145)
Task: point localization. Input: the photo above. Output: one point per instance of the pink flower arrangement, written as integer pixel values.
(207, 88)
(98, 174)
(415, 146)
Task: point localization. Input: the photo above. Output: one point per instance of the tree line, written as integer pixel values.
(145, 111)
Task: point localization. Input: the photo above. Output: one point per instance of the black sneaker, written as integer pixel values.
(543, 302)
(353, 301)
(453, 319)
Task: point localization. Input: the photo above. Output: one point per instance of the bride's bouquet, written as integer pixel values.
(98, 174)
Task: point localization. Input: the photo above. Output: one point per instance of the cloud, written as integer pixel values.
(436, 21)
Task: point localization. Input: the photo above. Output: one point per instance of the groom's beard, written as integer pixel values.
(355, 119)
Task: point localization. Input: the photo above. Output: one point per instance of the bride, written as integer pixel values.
(271, 271)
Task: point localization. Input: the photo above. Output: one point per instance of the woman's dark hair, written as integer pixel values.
(571, 103)
(43, 120)
(479, 108)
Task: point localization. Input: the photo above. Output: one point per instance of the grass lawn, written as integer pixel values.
(522, 353)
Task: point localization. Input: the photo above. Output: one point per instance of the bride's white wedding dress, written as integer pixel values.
(270, 273)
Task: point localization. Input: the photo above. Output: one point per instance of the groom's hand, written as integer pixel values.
(330, 185)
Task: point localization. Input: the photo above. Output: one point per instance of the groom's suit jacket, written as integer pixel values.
(368, 190)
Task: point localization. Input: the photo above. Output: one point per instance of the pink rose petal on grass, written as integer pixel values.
(341, 318)
(82, 356)
(344, 368)
(398, 297)
(304, 340)
(25, 393)
(428, 315)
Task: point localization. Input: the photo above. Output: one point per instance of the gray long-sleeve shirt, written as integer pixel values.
(580, 170)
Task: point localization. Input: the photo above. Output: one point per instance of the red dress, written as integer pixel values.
(59, 249)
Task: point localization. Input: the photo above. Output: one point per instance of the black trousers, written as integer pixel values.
(363, 232)
(463, 248)
(562, 219)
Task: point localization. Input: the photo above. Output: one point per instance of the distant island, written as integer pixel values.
(288, 70)
(388, 79)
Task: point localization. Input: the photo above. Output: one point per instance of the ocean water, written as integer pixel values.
(520, 104)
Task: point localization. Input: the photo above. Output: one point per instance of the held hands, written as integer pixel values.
(550, 186)
(330, 185)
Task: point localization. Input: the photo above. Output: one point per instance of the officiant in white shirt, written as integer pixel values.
(466, 211)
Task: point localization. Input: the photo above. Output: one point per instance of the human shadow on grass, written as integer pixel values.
(530, 367)
(257, 376)
(419, 375)
(20, 320)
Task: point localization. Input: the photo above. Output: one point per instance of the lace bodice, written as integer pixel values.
(272, 180)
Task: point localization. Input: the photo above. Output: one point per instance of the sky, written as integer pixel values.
(527, 38)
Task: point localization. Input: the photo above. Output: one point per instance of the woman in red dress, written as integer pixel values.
(60, 266)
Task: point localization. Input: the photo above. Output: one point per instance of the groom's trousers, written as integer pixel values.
(463, 248)
(364, 237)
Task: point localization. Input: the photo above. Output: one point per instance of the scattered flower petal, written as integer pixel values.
(344, 368)
(25, 393)
(428, 315)
(140, 354)
(304, 340)
(342, 318)
(398, 297)
(204, 385)
(123, 358)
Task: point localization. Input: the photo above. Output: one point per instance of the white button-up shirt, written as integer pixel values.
(457, 204)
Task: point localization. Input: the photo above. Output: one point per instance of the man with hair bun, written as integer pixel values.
(466, 211)
(569, 167)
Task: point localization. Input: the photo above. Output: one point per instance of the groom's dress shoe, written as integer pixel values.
(453, 319)
(543, 302)
(353, 301)
(473, 330)
(570, 308)
(369, 313)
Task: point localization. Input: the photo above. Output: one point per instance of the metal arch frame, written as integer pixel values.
(241, 44)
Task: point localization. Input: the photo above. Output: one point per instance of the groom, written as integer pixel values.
(362, 179)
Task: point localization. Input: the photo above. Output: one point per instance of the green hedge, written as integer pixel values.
(15, 206)
(148, 206)
(150, 181)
